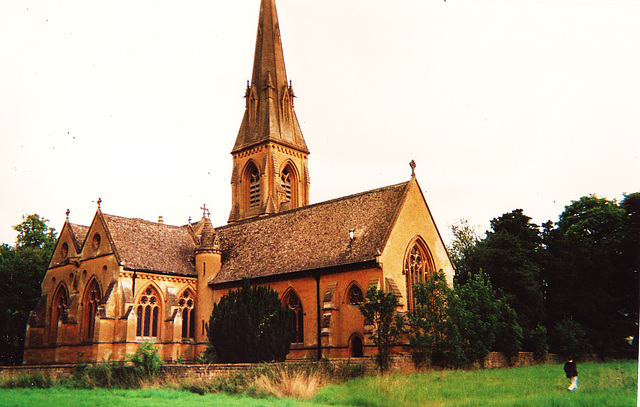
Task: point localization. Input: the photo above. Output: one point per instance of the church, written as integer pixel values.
(121, 281)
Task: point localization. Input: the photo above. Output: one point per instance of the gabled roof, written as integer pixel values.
(311, 237)
(144, 245)
(79, 233)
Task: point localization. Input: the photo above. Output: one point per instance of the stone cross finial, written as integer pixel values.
(412, 164)
(67, 213)
(205, 211)
(99, 202)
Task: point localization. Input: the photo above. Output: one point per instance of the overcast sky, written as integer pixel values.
(503, 104)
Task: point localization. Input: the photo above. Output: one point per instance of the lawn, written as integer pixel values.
(601, 384)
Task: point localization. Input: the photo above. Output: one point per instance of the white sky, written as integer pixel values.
(503, 104)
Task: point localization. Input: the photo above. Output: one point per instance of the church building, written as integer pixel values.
(120, 281)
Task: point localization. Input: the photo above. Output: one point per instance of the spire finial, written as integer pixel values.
(67, 213)
(412, 164)
(99, 202)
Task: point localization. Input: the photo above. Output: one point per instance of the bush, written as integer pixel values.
(568, 338)
(250, 325)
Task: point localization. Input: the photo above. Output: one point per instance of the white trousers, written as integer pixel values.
(574, 383)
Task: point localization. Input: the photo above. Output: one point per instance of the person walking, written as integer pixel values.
(571, 370)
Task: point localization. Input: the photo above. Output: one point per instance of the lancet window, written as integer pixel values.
(58, 308)
(148, 313)
(417, 266)
(187, 306)
(354, 295)
(292, 301)
(92, 298)
(252, 189)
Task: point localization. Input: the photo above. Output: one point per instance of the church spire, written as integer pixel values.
(270, 172)
(269, 114)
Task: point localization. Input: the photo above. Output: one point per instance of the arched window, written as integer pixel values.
(354, 294)
(91, 301)
(418, 264)
(292, 301)
(289, 183)
(148, 313)
(187, 311)
(58, 308)
(252, 185)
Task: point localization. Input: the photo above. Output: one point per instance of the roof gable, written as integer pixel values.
(312, 237)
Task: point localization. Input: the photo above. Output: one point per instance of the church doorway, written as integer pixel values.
(356, 349)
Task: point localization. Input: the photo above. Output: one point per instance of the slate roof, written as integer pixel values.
(311, 237)
(144, 245)
(79, 233)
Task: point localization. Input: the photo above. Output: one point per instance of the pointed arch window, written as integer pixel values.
(252, 186)
(418, 265)
(92, 298)
(288, 182)
(187, 306)
(148, 313)
(354, 295)
(58, 309)
(292, 301)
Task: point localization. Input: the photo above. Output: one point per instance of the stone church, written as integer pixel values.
(122, 281)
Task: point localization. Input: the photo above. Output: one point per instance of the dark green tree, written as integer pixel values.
(433, 320)
(22, 269)
(508, 332)
(251, 325)
(591, 277)
(511, 257)
(478, 323)
(568, 338)
(379, 309)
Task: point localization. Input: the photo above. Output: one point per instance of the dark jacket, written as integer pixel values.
(571, 369)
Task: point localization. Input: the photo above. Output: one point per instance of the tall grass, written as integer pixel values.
(608, 384)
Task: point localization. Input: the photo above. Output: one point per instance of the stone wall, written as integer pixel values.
(401, 363)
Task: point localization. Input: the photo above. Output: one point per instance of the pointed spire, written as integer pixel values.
(269, 114)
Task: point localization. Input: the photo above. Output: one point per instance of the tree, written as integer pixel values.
(465, 239)
(22, 269)
(508, 332)
(569, 339)
(433, 328)
(380, 310)
(251, 325)
(592, 278)
(479, 321)
(511, 257)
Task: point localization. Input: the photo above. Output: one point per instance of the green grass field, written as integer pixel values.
(600, 384)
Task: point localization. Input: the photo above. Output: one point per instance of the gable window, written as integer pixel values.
(418, 265)
(292, 301)
(354, 295)
(148, 313)
(91, 301)
(58, 308)
(187, 311)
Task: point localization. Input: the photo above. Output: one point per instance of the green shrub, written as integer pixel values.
(25, 381)
(147, 362)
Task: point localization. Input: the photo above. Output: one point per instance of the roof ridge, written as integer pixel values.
(145, 220)
(306, 207)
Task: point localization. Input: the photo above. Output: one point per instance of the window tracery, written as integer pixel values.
(148, 313)
(292, 301)
(186, 305)
(92, 299)
(58, 308)
(354, 295)
(417, 266)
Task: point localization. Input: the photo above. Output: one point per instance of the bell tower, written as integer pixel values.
(270, 172)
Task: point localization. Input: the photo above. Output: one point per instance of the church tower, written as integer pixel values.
(270, 172)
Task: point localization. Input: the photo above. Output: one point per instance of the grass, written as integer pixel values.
(601, 384)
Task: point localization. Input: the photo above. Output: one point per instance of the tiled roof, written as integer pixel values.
(145, 245)
(79, 233)
(311, 237)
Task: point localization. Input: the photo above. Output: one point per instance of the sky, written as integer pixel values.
(503, 104)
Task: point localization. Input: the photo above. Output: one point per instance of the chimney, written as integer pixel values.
(160, 220)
